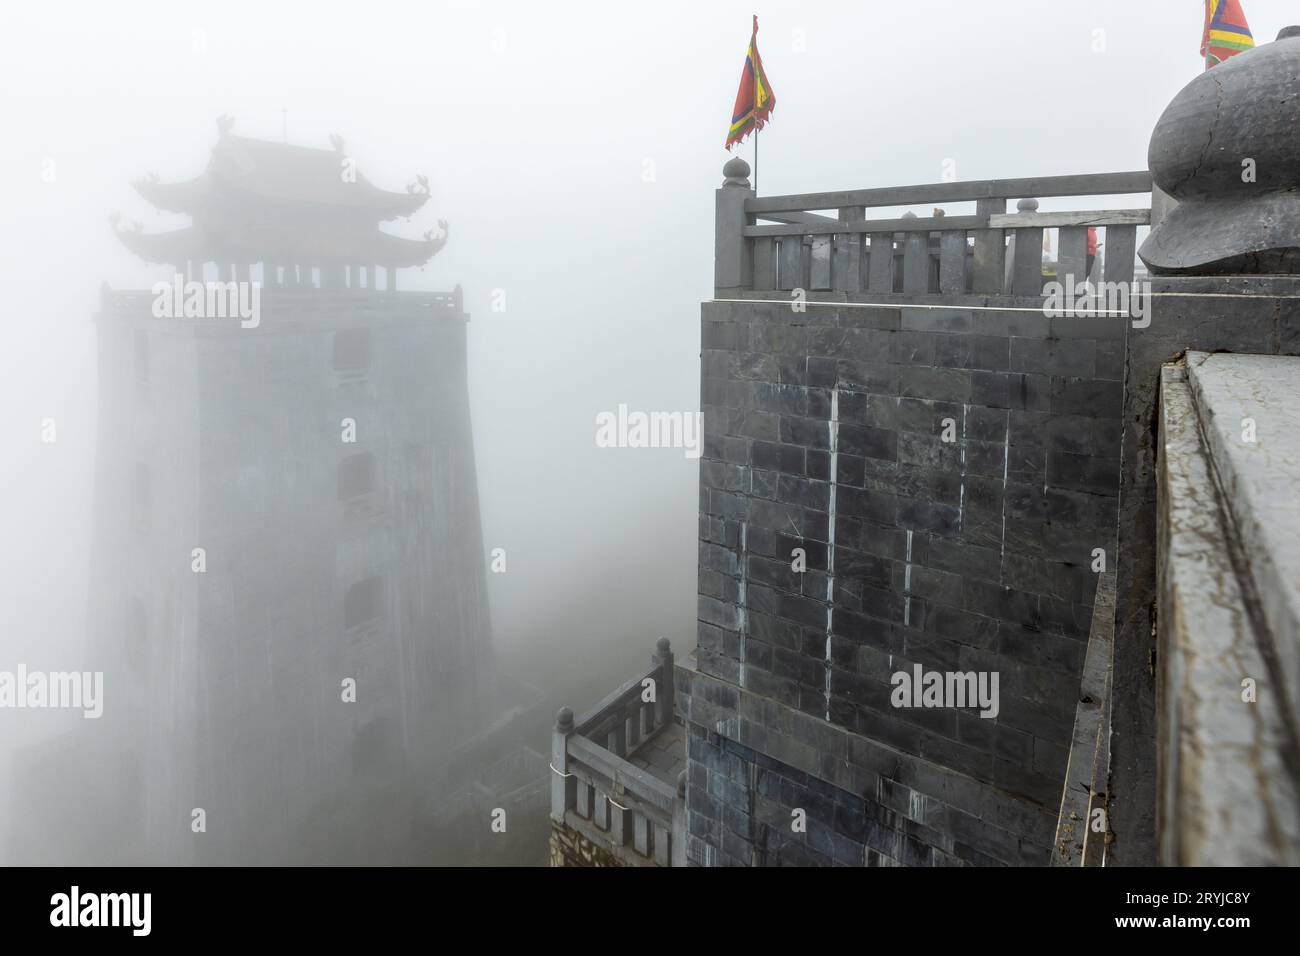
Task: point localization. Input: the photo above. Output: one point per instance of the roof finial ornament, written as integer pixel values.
(441, 240)
(337, 142)
(224, 122)
(115, 219)
(419, 187)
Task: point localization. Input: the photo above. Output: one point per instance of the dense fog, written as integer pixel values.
(573, 151)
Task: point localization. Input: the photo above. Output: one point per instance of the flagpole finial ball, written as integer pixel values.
(1027, 205)
(737, 172)
(1287, 33)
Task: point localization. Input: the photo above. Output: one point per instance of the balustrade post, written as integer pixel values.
(620, 816)
(563, 786)
(990, 249)
(679, 823)
(733, 264)
(916, 259)
(664, 690)
(1027, 257)
(846, 257)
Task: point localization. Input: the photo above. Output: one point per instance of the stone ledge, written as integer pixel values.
(1258, 474)
(1225, 793)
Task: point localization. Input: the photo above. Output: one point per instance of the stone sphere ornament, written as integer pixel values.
(1228, 149)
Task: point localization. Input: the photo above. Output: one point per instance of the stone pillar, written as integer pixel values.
(990, 250)
(733, 266)
(1025, 268)
(847, 272)
(563, 786)
(916, 259)
(663, 658)
(1225, 267)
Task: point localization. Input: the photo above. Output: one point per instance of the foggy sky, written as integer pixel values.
(538, 126)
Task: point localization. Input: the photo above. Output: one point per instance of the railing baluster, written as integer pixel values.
(990, 250)
(881, 263)
(952, 262)
(846, 264)
(1027, 266)
(1121, 246)
(633, 721)
(640, 834)
(1072, 255)
(790, 262)
(618, 736)
(619, 818)
(821, 254)
(764, 264)
(662, 846)
(679, 823)
(916, 260)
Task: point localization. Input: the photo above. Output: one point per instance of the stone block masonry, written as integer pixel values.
(949, 474)
(570, 848)
(1255, 314)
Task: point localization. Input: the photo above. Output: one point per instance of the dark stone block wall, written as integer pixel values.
(969, 555)
(744, 802)
(1251, 314)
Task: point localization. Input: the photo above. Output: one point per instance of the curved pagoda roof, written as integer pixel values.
(281, 244)
(264, 201)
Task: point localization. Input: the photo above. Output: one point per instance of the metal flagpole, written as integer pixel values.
(1208, 64)
(755, 160)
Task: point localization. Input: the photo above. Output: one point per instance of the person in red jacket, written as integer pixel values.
(1092, 248)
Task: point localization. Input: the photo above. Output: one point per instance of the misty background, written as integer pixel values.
(573, 149)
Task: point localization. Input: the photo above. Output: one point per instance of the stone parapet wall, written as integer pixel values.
(950, 473)
(754, 761)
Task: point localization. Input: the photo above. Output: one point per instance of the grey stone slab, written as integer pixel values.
(1228, 796)
(1249, 407)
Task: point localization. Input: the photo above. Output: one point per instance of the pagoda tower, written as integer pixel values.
(288, 579)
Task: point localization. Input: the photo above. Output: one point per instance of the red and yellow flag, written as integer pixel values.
(1226, 31)
(754, 99)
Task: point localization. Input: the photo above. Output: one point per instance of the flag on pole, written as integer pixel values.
(1226, 31)
(754, 99)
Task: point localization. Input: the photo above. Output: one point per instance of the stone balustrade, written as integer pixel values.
(989, 253)
(618, 812)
